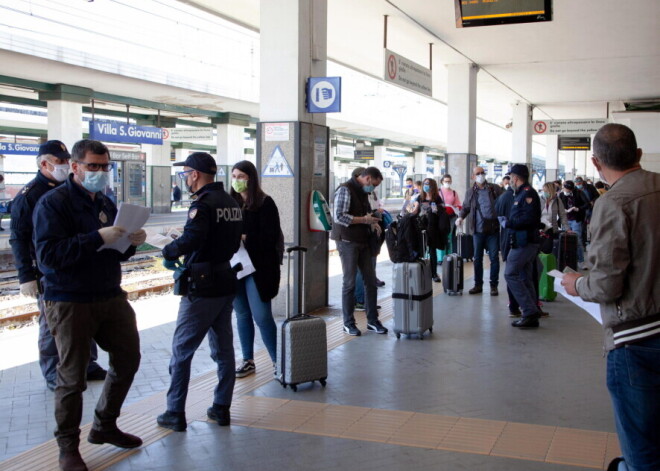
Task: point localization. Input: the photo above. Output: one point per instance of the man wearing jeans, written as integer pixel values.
(625, 281)
(352, 228)
(480, 203)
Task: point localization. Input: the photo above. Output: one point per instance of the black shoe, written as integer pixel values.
(219, 413)
(515, 313)
(98, 374)
(379, 283)
(527, 322)
(377, 327)
(436, 278)
(476, 290)
(72, 461)
(493, 291)
(173, 420)
(51, 384)
(116, 437)
(352, 330)
(247, 368)
(614, 464)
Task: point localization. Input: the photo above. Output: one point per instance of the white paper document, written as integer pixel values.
(159, 240)
(243, 258)
(592, 308)
(131, 217)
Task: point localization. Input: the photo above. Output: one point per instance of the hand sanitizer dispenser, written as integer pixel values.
(320, 219)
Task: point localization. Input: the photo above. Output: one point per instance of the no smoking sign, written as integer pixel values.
(540, 127)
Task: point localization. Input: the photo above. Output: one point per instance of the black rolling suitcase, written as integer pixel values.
(565, 249)
(465, 246)
(302, 350)
(452, 274)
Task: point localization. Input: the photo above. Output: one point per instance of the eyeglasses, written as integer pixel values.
(480, 173)
(96, 167)
(182, 175)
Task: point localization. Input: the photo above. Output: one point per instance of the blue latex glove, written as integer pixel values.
(172, 264)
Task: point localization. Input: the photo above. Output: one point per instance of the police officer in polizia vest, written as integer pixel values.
(523, 224)
(53, 163)
(207, 285)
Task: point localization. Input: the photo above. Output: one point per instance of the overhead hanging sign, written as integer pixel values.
(407, 74)
(113, 131)
(16, 148)
(277, 165)
(574, 143)
(187, 134)
(364, 154)
(567, 126)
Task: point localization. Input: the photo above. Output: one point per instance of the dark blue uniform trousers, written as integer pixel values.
(48, 356)
(197, 317)
(519, 277)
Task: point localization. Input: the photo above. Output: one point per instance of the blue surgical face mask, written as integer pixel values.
(368, 188)
(95, 181)
(426, 188)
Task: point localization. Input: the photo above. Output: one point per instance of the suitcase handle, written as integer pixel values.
(289, 251)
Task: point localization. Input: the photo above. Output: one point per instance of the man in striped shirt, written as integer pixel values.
(625, 281)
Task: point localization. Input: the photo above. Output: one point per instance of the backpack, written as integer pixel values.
(404, 239)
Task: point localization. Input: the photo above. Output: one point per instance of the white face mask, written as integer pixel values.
(60, 172)
(481, 179)
(507, 186)
(567, 193)
(446, 185)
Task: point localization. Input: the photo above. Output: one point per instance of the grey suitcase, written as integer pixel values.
(412, 293)
(302, 349)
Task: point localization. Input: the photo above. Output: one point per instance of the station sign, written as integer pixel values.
(324, 95)
(567, 126)
(187, 134)
(407, 74)
(113, 131)
(364, 154)
(126, 155)
(574, 143)
(16, 148)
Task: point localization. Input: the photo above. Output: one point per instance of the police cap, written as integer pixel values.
(520, 170)
(200, 161)
(54, 148)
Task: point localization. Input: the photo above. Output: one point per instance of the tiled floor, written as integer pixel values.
(476, 394)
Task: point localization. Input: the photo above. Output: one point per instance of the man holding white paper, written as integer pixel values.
(207, 284)
(625, 281)
(83, 299)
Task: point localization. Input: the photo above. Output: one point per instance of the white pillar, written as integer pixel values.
(581, 163)
(521, 148)
(230, 144)
(65, 121)
(437, 170)
(380, 155)
(158, 155)
(420, 164)
(551, 157)
(462, 108)
(410, 167)
(570, 172)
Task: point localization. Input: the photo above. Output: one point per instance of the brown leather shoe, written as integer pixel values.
(476, 290)
(115, 437)
(493, 291)
(72, 461)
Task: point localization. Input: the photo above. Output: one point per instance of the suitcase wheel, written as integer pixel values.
(430, 329)
(322, 381)
(398, 335)
(294, 387)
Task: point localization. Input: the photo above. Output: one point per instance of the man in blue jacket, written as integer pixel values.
(523, 228)
(53, 163)
(83, 299)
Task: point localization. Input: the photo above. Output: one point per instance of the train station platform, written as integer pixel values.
(476, 394)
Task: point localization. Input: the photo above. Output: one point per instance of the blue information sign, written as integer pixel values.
(324, 95)
(112, 131)
(17, 148)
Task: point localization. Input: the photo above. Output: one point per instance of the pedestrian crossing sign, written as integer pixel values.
(277, 165)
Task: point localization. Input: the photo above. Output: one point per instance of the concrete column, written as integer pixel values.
(570, 172)
(521, 148)
(551, 157)
(462, 124)
(437, 169)
(420, 165)
(65, 122)
(581, 163)
(410, 167)
(230, 137)
(380, 155)
(293, 35)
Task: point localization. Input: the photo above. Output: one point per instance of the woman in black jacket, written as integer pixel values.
(430, 207)
(261, 232)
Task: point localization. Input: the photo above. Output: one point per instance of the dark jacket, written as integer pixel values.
(20, 239)
(210, 238)
(358, 206)
(579, 201)
(525, 217)
(470, 205)
(262, 230)
(436, 235)
(66, 239)
(503, 207)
